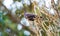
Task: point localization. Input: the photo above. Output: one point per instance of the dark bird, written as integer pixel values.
(29, 16)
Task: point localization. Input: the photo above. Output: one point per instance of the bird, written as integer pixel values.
(30, 16)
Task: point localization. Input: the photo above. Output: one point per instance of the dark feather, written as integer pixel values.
(30, 17)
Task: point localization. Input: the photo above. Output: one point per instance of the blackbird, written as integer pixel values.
(30, 16)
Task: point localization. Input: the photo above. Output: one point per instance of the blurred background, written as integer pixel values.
(29, 17)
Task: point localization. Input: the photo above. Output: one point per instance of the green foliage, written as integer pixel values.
(20, 13)
(47, 23)
(4, 34)
(1, 19)
(59, 34)
(43, 33)
(59, 8)
(21, 33)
